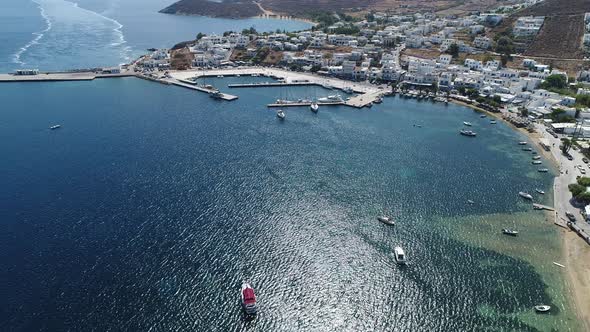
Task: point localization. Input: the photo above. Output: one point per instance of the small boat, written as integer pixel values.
(560, 265)
(538, 206)
(525, 195)
(328, 86)
(418, 125)
(470, 201)
(483, 116)
(522, 143)
(55, 127)
(510, 232)
(493, 122)
(537, 162)
(400, 256)
(216, 95)
(386, 220)
(378, 100)
(248, 299)
(468, 133)
(542, 308)
(332, 98)
(527, 149)
(314, 107)
(467, 123)
(540, 191)
(348, 90)
(536, 157)
(543, 170)
(220, 76)
(281, 114)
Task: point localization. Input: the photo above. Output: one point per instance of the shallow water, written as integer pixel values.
(152, 203)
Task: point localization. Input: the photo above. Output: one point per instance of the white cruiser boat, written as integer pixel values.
(525, 195)
(540, 191)
(542, 308)
(348, 90)
(399, 255)
(543, 170)
(537, 162)
(527, 149)
(55, 127)
(248, 299)
(314, 107)
(493, 122)
(536, 157)
(331, 99)
(280, 114)
(509, 232)
(468, 133)
(216, 95)
(378, 100)
(386, 220)
(522, 143)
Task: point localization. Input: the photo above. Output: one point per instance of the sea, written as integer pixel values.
(151, 204)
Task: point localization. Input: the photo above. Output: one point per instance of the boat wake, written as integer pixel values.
(80, 27)
(16, 58)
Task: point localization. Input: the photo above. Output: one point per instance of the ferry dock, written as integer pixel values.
(62, 76)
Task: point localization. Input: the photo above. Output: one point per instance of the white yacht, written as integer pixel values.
(386, 220)
(509, 232)
(537, 162)
(348, 90)
(540, 191)
(468, 133)
(55, 127)
(281, 114)
(493, 122)
(542, 308)
(400, 256)
(525, 195)
(522, 143)
(314, 107)
(331, 99)
(543, 170)
(536, 157)
(467, 123)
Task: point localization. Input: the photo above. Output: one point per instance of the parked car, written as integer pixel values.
(569, 157)
(570, 216)
(583, 171)
(585, 160)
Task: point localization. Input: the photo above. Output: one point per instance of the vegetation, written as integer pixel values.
(558, 115)
(554, 81)
(576, 189)
(584, 181)
(453, 50)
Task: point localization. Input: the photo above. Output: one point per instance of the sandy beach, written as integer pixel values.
(575, 251)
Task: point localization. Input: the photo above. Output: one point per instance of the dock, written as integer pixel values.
(336, 103)
(61, 77)
(537, 206)
(269, 84)
(364, 100)
(190, 85)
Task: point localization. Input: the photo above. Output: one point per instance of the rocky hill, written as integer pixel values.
(223, 8)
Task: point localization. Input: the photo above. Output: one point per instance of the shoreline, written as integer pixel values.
(574, 251)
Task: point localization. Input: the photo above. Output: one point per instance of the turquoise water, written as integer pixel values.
(152, 203)
(60, 34)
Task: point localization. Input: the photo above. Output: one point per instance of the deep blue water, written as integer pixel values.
(152, 203)
(60, 34)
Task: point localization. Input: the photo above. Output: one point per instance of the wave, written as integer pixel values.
(16, 57)
(118, 29)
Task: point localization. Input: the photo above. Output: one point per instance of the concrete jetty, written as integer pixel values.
(190, 85)
(269, 84)
(304, 104)
(57, 77)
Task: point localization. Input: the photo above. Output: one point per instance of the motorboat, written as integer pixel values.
(542, 308)
(216, 94)
(540, 191)
(348, 90)
(331, 99)
(522, 143)
(493, 122)
(510, 232)
(536, 157)
(543, 170)
(399, 255)
(248, 299)
(314, 107)
(281, 114)
(467, 123)
(527, 149)
(386, 220)
(537, 162)
(525, 195)
(483, 116)
(378, 100)
(220, 76)
(468, 133)
(418, 125)
(470, 201)
(54, 127)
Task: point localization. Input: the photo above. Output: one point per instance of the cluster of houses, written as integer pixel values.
(528, 26)
(587, 31)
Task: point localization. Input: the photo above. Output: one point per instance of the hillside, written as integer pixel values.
(561, 34)
(224, 8)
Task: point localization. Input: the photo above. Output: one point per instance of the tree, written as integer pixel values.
(554, 81)
(200, 35)
(576, 189)
(315, 68)
(524, 112)
(584, 181)
(453, 50)
(505, 46)
(566, 145)
(583, 197)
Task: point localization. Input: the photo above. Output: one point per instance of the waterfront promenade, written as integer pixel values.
(62, 76)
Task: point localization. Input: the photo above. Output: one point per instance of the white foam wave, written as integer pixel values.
(120, 39)
(16, 57)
